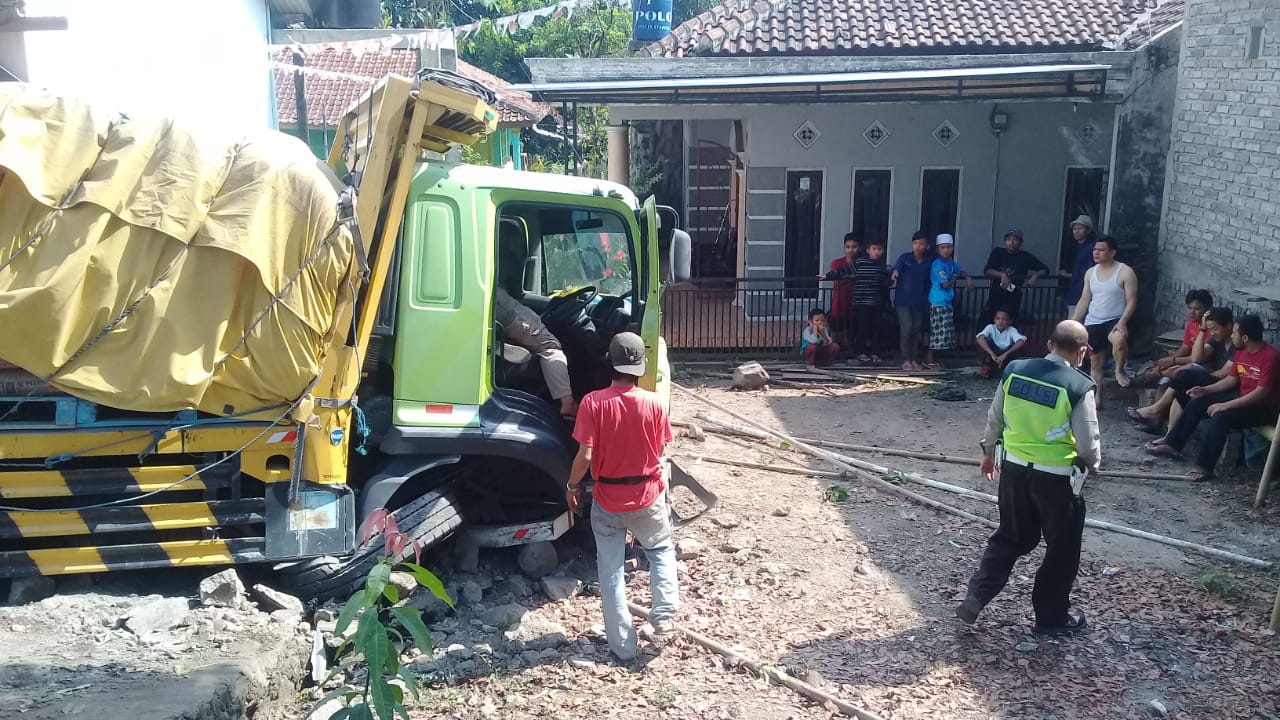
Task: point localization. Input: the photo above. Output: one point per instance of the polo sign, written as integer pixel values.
(651, 19)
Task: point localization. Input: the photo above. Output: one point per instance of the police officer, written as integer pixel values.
(1044, 426)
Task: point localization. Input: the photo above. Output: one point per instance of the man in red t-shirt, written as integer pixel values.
(1198, 303)
(621, 431)
(1248, 396)
(841, 313)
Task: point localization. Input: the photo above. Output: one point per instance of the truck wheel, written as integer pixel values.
(427, 519)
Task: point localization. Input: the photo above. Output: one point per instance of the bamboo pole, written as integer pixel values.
(833, 459)
(866, 470)
(932, 457)
(767, 672)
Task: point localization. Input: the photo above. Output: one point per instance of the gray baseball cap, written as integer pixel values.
(626, 354)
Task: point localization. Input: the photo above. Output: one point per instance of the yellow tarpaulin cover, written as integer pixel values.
(149, 267)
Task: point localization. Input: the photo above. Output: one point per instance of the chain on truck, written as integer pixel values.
(219, 351)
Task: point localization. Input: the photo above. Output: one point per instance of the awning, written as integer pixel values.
(1082, 81)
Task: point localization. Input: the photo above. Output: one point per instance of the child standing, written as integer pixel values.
(999, 343)
(842, 294)
(816, 345)
(871, 278)
(911, 273)
(942, 294)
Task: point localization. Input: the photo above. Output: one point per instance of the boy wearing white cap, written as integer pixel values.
(942, 294)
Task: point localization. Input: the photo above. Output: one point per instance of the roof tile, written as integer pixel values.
(857, 27)
(329, 96)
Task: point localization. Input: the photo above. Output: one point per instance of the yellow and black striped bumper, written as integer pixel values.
(102, 515)
(106, 558)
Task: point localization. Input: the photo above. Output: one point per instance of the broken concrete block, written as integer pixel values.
(157, 615)
(223, 589)
(405, 583)
(271, 600)
(688, 549)
(561, 588)
(504, 615)
(536, 633)
(538, 559)
(750, 376)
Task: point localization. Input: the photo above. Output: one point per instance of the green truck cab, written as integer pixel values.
(464, 437)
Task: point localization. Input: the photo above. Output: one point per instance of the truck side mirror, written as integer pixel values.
(681, 256)
(675, 246)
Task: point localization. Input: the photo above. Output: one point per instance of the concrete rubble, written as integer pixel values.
(750, 376)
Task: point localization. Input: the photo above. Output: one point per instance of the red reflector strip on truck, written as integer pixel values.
(440, 409)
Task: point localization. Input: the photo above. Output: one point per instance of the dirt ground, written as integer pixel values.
(856, 593)
(844, 585)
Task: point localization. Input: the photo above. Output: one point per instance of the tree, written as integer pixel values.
(601, 30)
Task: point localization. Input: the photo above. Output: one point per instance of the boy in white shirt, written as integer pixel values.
(999, 343)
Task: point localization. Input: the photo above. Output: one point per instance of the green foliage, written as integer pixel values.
(415, 13)
(895, 478)
(645, 177)
(600, 31)
(472, 156)
(1218, 581)
(836, 494)
(603, 30)
(375, 640)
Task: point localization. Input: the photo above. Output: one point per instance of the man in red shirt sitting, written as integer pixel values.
(621, 431)
(1248, 396)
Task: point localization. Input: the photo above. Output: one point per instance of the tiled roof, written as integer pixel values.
(329, 96)
(1151, 24)
(516, 108)
(902, 27)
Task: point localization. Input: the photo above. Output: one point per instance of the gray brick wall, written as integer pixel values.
(1221, 227)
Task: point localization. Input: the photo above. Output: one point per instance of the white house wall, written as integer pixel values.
(1042, 141)
(187, 57)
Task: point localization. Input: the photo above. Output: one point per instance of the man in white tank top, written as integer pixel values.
(1108, 302)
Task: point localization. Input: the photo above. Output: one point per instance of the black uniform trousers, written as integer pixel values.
(1034, 504)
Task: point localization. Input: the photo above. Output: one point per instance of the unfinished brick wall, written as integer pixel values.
(1221, 226)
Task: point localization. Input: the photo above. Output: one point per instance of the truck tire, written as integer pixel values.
(427, 519)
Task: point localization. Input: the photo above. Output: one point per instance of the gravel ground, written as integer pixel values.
(853, 590)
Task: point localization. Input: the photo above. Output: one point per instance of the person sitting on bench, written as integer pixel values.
(1211, 351)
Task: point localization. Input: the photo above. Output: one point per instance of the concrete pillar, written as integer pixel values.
(619, 154)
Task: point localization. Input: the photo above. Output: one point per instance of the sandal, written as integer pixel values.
(1136, 417)
(1123, 380)
(864, 358)
(875, 359)
(1198, 475)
